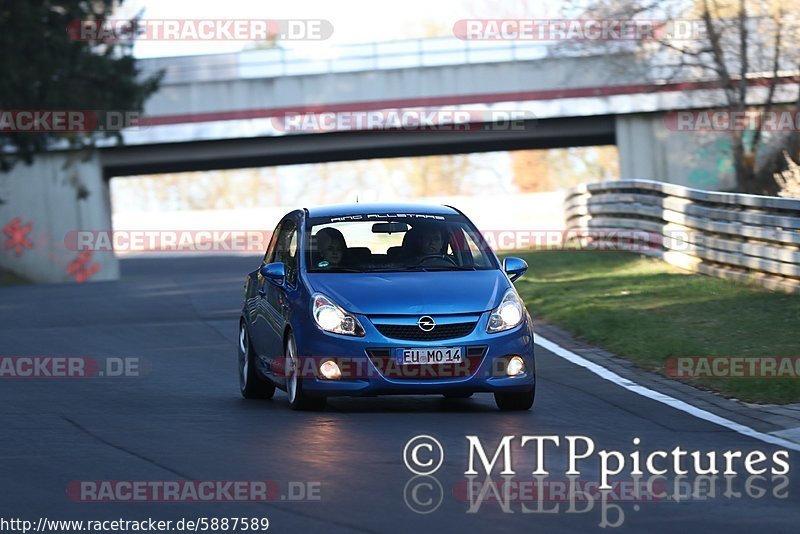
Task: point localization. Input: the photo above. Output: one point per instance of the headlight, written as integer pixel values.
(507, 315)
(331, 318)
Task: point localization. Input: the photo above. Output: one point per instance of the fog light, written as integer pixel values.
(330, 370)
(516, 366)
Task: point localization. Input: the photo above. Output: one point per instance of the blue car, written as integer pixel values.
(384, 299)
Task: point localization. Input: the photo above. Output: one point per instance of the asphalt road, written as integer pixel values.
(183, 419)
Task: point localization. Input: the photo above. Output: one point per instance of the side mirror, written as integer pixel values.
(514, 267)
(275, 272)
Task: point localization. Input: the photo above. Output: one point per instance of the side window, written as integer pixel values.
(286, 250)
(269, 257)
(468, 245)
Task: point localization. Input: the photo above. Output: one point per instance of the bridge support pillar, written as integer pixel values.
(650, 150)
(43, 206)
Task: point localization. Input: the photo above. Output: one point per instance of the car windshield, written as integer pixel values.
(395, 242)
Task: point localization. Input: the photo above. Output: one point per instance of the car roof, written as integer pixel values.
(363, 208)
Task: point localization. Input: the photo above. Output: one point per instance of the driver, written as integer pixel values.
(426, 240)
(431, 241)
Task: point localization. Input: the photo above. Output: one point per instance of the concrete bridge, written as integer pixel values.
(228, 110)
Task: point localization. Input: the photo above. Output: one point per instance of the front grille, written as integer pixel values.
(388, 367)
(413, 332)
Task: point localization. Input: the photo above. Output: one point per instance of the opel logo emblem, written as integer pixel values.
(426, 323)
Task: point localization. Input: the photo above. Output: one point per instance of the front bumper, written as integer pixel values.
(365, 371)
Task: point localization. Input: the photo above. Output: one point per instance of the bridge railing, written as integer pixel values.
(283, 61)
(746, 238)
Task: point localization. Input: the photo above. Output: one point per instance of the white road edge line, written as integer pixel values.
(611, 376)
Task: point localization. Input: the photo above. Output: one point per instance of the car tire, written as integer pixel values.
(298, 399)
(515, 401)
(251, 385)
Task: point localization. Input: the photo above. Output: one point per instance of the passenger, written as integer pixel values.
(330, 247)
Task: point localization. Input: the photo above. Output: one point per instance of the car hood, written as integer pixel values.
(429, 293)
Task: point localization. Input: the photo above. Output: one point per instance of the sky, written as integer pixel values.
(354, 21)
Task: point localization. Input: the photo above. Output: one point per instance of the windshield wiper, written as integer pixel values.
(451, 268)
(420, 268)
(337, 270)
(401, 269)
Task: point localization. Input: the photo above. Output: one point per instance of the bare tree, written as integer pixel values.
(748, 48)
(789, 179)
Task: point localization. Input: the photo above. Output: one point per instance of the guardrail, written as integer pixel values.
(747, 238)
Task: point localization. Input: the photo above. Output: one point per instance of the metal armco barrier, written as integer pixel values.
(747, 238)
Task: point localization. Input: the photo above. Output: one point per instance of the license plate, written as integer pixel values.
(428, 356)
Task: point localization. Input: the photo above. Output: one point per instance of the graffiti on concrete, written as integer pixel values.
(17, 236)
(81, 268)
(713, 164)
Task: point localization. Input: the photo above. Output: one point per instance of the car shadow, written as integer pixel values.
(399, 404)
(411, 404)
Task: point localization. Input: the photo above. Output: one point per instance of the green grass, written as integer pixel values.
(7, 278)
(646, 311)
